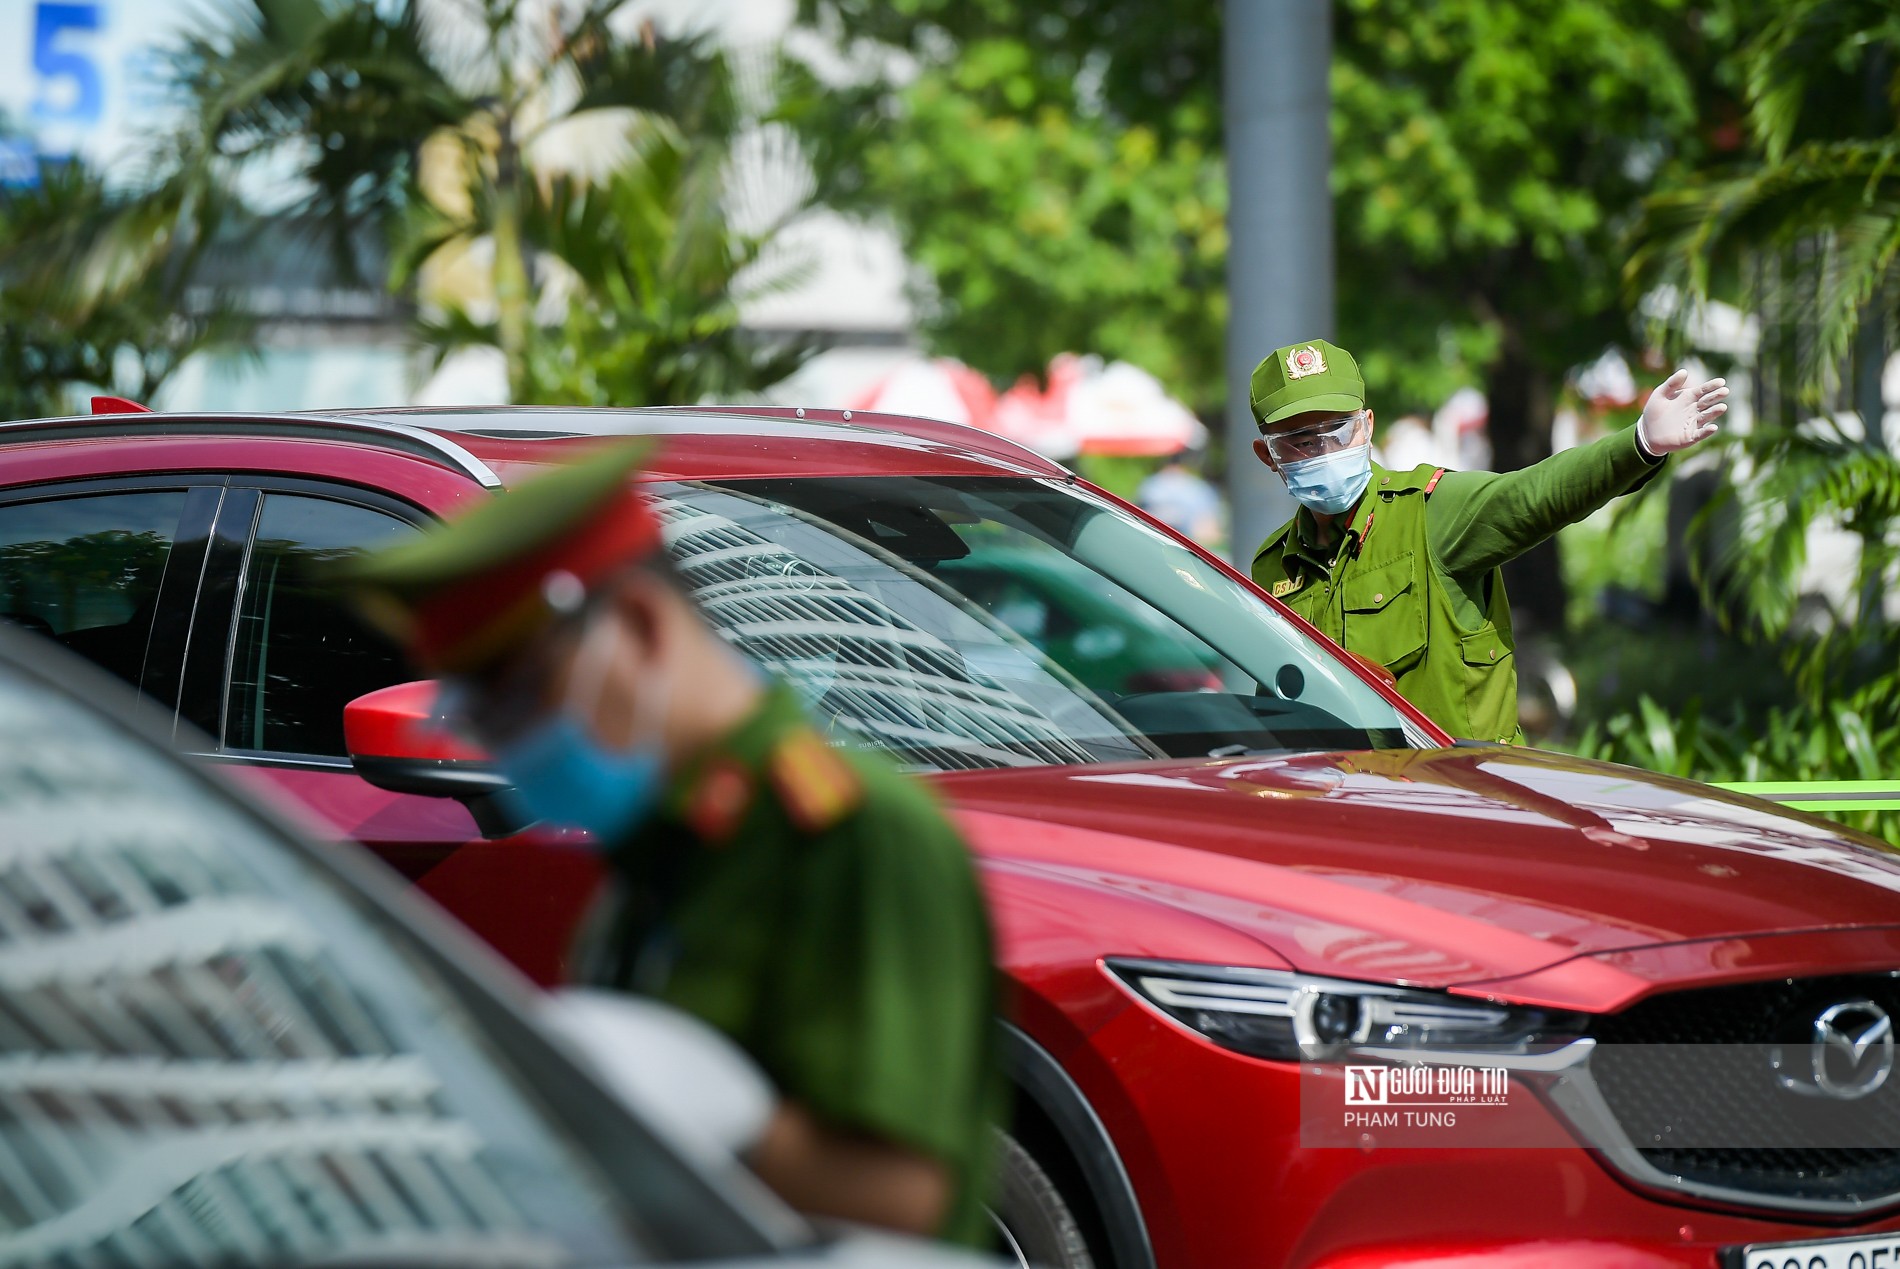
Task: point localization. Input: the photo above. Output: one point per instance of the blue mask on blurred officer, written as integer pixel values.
(564, 774)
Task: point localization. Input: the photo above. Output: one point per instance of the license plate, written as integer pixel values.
(1880, 1252)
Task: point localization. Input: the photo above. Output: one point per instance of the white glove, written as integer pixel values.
(683, 1076)
(1678, 416)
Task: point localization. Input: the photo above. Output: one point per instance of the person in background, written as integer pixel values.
(813, 904)
(1407, 442)
(1402, 568)
(1177, 496)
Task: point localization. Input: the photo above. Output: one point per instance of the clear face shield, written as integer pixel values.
(1329, 437)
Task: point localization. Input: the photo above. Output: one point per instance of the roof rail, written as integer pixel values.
(401, 437)
(991, 444)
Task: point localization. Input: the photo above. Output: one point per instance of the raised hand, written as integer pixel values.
(1678, 416)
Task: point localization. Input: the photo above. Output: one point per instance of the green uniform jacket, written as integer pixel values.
(816, 905)
(1414, 583)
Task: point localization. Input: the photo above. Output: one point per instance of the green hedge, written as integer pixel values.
(1855, 738)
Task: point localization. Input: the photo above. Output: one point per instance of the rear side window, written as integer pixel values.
(301, 655)
(86, 571)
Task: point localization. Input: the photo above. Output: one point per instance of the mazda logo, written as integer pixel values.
(1851, 1056)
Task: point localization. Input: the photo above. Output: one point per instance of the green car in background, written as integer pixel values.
(1081, 621)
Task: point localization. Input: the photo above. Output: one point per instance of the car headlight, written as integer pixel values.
(1296, 1017)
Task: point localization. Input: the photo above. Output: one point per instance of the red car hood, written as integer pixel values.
(1436, 867)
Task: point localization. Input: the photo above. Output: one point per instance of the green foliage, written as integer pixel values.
(1486, 156)
(1854, 738)
(1804, 227)
(1795, 479)
(1157, 65)
(1811, 72)
(1038, 227)
(1786, 693)
(1836, 204)
(339, 92)
(1623, 546)
(489, 142)
(656, 320)
(1054, 171)
(1782, 693)
(96, 289)
(1818, 197)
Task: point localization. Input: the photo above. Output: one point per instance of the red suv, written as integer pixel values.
(1242, 890)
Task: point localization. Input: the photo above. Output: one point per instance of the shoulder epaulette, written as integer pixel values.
(815, 784)
(1421, 479)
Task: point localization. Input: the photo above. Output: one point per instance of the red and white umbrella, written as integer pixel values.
(1089, 407)
(938, 388)
(1029, 416)
(1120, 409)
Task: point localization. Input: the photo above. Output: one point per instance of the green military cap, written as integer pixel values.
(1314, 375)
(465, 592)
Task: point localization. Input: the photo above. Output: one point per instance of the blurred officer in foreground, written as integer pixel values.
(1402, 568)
(813, 904)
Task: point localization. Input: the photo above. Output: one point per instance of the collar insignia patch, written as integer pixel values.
(719, 801)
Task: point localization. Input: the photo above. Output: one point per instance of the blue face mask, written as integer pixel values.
(1332, 482)
(563, 775)
(562, 772)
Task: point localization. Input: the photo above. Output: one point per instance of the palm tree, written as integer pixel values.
(651, 273)
(99, 288)
(1817, 198)
(1757, 533)
(1804, 229)
(459, 128)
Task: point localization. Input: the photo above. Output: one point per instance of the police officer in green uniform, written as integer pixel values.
(1403, 568)
(812, 903)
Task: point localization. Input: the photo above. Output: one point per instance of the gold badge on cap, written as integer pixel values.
(1301, 362)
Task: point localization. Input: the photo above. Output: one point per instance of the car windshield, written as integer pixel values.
(990, 622)
(216, 1052)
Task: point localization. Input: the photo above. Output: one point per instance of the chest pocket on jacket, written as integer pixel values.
(1490, 685)
(1385, 614)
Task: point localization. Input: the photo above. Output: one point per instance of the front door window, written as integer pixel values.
(301, 654)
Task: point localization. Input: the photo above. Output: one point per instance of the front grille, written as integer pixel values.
(1689, 1080)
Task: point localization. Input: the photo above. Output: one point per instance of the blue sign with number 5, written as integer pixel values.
(70, 89)
(86, 79)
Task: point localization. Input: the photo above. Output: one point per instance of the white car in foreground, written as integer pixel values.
(220, 1045)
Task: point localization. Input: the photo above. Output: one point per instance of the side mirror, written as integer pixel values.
(395, 743)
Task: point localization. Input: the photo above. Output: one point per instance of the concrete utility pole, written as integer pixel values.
(1277, 54)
